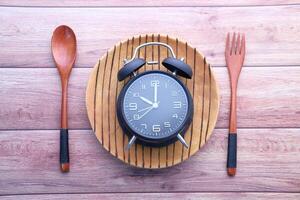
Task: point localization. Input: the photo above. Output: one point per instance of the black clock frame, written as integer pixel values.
(151, 141)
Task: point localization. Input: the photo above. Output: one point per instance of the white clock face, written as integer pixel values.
(155, 105)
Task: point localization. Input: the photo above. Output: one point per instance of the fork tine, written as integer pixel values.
(237, 48)
(243, 45)
(233, 44)
(227, 49)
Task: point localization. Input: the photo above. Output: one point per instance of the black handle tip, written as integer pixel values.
(232, 154)
(64, 150)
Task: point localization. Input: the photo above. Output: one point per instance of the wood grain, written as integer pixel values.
(166, 196)
(268, 92)
(267, 98)
(268, 161)
(118, 3)
(271, 40)
(105, 120)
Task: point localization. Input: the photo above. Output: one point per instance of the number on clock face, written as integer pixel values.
(155, 105)
(132, 106)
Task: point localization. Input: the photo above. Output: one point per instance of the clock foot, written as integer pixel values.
(181, 139)
(131, 141)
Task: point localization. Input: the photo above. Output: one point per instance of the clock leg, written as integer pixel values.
(131, 141)
(181, 139)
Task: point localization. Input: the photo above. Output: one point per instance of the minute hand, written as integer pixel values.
(155, 93)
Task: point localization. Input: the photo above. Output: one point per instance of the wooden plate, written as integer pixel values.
(103, 89)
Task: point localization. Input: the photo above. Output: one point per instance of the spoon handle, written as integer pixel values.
(64, 134)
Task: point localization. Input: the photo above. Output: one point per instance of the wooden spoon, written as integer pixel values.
(63, 45)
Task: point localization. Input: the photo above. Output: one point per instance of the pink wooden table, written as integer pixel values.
(268, 107)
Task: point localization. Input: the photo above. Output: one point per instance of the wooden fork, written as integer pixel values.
(234, 54)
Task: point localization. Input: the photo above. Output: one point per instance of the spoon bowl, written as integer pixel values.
(64, 49)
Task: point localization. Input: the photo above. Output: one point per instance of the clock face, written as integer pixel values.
(155, 105)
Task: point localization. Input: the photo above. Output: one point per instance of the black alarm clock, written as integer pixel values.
(154, 107)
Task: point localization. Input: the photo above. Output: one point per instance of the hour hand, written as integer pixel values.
(146, 100)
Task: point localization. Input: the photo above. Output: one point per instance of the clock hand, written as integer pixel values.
(146, 112)
(155, 93)
(155, 106)
(146, 100)
(144, 109)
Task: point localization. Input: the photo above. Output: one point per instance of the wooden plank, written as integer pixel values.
(270, 40)
(119, 3)
(267, 97)
(166, 196)
(268, 160)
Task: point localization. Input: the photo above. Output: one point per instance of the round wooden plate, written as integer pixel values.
(103, 89)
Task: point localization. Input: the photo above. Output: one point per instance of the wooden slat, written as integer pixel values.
(112, 101)
(267, 97)
(118, 3)
(170, 148)
(206, 105)
(166, 196)
(148, 56)
(106, 99)
(92, 95)
(163, 53)
(98, 99)
(125, 141)
(140, 152)
(190, 60)
(181, 50)
(155, 151)
(119, 132)
(268, 160)
(270, 40)
(199, 73)
(214, 99)
(133, 149)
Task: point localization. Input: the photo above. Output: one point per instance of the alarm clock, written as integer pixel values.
(155, 108)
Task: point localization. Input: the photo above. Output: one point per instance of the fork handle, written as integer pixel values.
(233, 102)
(232, 136)
(231, 154)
